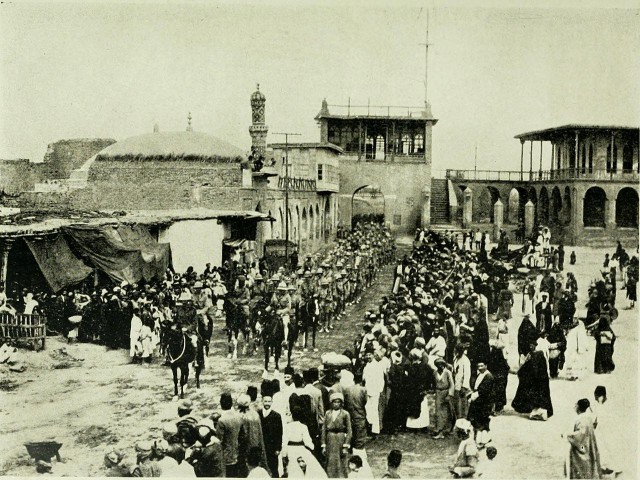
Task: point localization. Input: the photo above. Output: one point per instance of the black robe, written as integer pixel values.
(533, 387)
(543, 317)
(527, 334)
(480, 409)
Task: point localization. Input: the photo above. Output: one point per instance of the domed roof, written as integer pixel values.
(258, 95)
(187, 145)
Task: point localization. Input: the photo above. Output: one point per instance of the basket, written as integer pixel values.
(43, 450)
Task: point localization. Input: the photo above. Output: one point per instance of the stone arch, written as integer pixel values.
(291, 225)
(532, 196)
(318, 223)
(593, 210)
(543, 207)
(367, 202)
(483, 207)
(281, 220)
(328, 226)
(627, 208)
(513, 203)
(298, 224)
(304, 228)
(565, 214)
(555, 207)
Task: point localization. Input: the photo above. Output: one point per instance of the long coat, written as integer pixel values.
(355, 401)
(584, 456)
(480, 409)
(336, 435)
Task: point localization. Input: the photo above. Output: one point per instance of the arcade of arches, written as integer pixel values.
(566, 209)
(311, 222)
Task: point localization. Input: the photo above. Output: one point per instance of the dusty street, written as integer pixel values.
(100, 400)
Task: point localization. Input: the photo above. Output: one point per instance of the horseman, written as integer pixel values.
(203, 301)
(325, 297)
(281, 303)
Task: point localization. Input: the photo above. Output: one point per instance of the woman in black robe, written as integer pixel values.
(527, 334)
(556, 355)
(605, 339)
(499, 367)
(533, 387)
(416, 385)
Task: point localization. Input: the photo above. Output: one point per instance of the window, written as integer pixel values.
(418, 146)
(320, 171)
(590, 158)
(397, 219)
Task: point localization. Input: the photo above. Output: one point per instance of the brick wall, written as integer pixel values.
(163, 184)
(18, 175)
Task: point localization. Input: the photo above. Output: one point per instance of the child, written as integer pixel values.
(393, 463)
(572, 258)
(486, 466)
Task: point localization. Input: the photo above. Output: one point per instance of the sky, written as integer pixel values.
(91, 69)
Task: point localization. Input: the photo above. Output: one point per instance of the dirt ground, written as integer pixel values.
(99, 401)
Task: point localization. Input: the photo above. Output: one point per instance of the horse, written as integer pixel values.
(181, 351)
(272, 338)
(309, 315)
(236, 316)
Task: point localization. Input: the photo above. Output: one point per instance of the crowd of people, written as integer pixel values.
(425, 361)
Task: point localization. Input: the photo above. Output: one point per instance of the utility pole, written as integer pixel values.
(426, 65)
(286, 190)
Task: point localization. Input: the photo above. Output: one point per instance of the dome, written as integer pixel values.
(258, 96)
(187, 145)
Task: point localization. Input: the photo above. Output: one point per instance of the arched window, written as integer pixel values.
(590, 158)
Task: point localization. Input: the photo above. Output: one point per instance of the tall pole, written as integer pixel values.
(426, 64)
(286, 191)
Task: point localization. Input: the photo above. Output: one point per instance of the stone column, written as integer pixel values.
(425, 220)
(498, 217)
(467, 208)
(5, 248)
(610, 209)
(529, 216)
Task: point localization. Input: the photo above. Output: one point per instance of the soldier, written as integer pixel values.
(325, 299)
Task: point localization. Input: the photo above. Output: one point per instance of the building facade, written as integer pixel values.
(587, 194)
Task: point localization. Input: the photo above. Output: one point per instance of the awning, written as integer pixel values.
(57, 262)
(124, 253)
(234, 243)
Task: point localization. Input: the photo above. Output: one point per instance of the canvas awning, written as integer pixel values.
(57, 262)
(124, 253)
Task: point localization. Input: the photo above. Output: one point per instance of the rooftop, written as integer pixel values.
(33, 223)
(328, 146)
(552, 133)
(183, 145)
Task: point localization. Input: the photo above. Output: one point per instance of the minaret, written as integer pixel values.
(189, 127)
(258, 130)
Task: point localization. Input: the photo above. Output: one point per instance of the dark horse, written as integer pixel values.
(180, 353)
(309, 315)
(272, 337)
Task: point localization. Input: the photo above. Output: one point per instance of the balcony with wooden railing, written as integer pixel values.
(619, 175)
